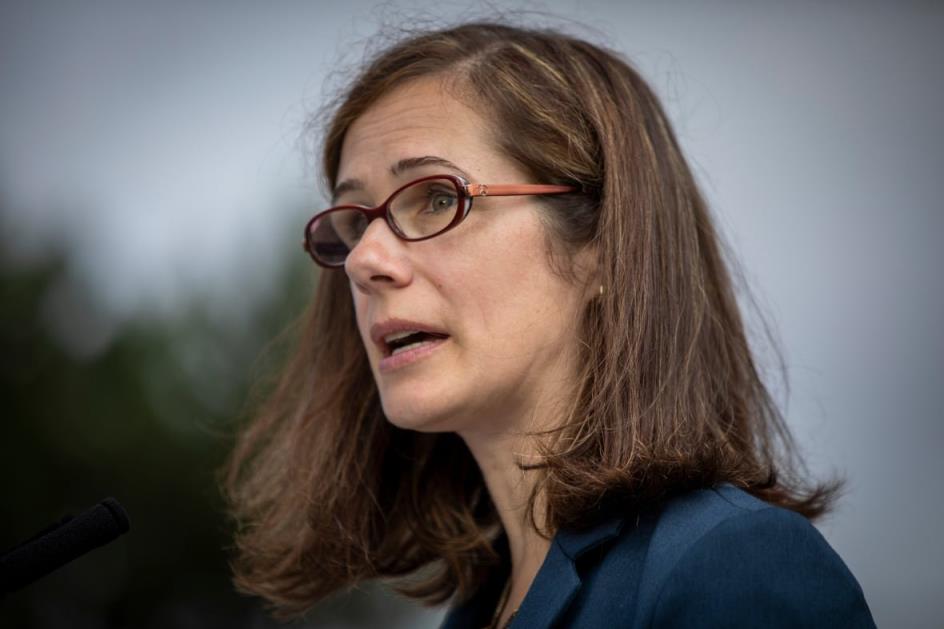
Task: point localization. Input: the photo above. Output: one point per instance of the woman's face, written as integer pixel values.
(506, 341)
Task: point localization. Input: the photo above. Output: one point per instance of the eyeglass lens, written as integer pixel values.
(420, 210)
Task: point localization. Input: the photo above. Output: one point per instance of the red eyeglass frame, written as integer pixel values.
(466, 192)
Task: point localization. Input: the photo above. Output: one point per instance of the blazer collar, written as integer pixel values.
(558, 580)
(576, 543)
(554, 587)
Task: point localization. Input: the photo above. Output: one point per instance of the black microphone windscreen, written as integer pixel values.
(64, 542)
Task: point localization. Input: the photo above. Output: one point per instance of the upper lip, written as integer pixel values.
(382, 328)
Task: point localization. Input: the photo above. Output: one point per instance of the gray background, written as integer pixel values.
(158, 142)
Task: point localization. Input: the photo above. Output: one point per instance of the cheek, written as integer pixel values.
(497, 251)
(505, 290)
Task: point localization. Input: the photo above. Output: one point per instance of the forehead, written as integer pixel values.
(419, 118)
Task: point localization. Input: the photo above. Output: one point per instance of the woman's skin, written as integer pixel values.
(509, 362)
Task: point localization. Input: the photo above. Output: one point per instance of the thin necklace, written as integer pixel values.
(501, 608)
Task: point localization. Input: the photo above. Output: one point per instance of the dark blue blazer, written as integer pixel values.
(710, 558)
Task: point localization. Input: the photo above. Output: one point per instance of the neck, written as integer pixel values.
(498, 446)
(510, 488)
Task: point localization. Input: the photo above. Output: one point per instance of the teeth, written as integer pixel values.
(410, 346)
(399, 335)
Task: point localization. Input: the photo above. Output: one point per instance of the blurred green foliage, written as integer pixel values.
(148, 417)
(149, 421)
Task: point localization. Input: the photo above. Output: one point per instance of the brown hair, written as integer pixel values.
(327, 493)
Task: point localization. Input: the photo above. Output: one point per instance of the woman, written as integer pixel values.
(525, 386)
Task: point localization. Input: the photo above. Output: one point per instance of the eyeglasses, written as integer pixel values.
(419, 210)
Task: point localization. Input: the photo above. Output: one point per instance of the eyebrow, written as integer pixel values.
(397, 169)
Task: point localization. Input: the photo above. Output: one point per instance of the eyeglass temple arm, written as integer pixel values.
(510, 190)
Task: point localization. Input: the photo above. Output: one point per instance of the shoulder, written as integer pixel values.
(720, 556)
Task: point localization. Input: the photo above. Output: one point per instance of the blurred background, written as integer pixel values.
(154, 181)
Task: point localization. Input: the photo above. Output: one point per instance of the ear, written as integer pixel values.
(587, 271)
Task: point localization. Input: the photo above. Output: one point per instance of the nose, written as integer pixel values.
(378, 260)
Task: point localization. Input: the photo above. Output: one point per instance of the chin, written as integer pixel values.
(417, 414)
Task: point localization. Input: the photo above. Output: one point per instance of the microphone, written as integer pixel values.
(60, 543)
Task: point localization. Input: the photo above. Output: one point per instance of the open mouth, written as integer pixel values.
(407, 340)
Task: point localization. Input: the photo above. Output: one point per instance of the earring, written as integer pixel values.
(601, 290)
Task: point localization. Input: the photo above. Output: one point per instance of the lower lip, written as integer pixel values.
(410, 356)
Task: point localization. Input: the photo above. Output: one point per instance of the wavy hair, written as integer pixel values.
(327, 493)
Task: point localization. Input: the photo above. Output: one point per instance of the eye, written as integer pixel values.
(441, 201)
(350, 226)
(358, 225)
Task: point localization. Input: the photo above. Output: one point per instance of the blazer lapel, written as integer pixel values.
(554, 587)
(558, 581)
